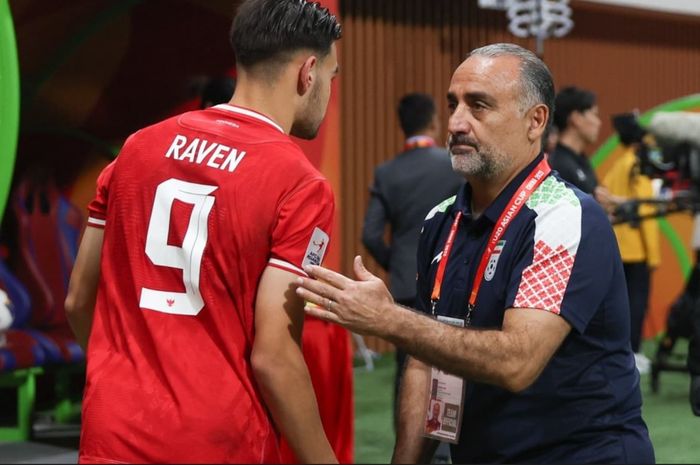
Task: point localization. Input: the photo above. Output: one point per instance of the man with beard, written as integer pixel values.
(521, 296)
(183, 279)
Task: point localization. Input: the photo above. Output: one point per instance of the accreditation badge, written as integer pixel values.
(443, 416)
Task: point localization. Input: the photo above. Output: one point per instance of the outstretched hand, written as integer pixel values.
(363, 306)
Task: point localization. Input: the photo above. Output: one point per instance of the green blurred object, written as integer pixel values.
(374, 428)
(9, 102)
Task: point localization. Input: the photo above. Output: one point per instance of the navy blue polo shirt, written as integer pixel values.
(559, 254)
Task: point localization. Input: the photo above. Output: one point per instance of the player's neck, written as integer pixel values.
(265, 100)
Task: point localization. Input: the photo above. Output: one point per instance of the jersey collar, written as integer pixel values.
(250, 114)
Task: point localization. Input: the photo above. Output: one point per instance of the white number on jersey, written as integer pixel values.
(188, 257)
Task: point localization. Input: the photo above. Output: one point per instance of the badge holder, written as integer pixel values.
(443, 419)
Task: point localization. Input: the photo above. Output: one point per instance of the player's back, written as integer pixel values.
(194, 209)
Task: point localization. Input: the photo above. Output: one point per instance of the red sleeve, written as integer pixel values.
(302, 232)
(97, 209)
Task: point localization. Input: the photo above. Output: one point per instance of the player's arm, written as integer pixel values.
(82, 289)
(411, 446)
(280, 370)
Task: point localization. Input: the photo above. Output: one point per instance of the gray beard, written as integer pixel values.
(480, 165)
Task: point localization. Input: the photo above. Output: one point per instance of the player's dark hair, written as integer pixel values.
(267, 31)
(416, 111)
(569, 100)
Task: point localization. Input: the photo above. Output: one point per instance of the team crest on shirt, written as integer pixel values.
(493, 260)
(317, 248)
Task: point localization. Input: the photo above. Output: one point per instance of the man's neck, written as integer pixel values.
(573, 141)
(265, 99)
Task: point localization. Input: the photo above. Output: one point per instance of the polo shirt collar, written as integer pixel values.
(494, 210)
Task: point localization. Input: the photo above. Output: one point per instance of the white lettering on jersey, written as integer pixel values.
(234, 158)
(190, 151)
(175, 147)
(201, 151)
(316, 248)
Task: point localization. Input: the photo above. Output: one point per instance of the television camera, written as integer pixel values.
(674, 159)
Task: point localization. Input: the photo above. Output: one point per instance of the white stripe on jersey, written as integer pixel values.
(96, 222)
(287, 265)
(252, 114)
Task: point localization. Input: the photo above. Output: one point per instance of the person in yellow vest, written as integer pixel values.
(639, 243)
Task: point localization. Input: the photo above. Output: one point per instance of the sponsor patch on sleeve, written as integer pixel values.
(316, 248)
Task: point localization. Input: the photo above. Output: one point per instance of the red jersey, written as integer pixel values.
(194, 208)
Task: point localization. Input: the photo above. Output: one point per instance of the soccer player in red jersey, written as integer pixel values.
(182, 290)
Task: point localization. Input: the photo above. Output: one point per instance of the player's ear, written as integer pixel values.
(307, 74)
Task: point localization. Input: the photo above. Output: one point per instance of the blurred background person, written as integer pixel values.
(577, 123)
(638, 240)
(6, 317)
(404, 190)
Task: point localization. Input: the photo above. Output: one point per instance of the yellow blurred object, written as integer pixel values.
(624, 180)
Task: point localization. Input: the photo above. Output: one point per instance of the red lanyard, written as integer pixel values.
(418, 142)
(521, 196)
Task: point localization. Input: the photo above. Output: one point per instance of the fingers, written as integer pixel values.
(321, 314)
(316, 289)
(331, 277)
(360, 271)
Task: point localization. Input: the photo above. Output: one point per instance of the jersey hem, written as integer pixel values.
(286, 266)
(94, 459)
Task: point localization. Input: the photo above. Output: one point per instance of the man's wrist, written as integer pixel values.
(394, 323)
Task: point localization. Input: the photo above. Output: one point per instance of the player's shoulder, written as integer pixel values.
(150, 134)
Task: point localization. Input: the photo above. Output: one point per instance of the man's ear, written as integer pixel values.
(539, 115)
(307, 75)
(574, 119)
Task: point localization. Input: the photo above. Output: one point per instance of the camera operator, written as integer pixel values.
(679, 134)
(638, 242)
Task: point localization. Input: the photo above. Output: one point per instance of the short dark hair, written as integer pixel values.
(416, 111)
(569, 100)
(269, 30)
(628, 128)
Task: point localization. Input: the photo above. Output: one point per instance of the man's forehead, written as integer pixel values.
(494, 74)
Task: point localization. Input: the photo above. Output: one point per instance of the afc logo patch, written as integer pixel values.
(493, 260)
(317, 248)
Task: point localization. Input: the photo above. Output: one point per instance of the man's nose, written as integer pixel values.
(459, 121)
